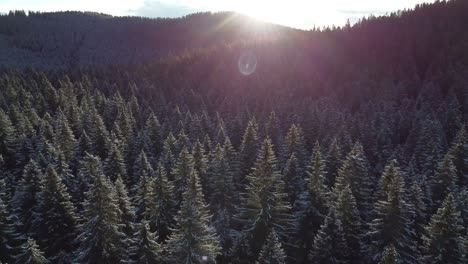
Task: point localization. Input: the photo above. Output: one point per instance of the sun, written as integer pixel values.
(293, 13)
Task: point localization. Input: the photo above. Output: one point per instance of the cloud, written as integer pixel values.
(162, 9)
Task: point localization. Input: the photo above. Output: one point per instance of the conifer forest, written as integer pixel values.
(216, 138)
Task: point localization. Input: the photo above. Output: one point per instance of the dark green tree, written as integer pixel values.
(192, 241)
(54, 217)
(31, 254)
(272, 251)
(443, 241)
(146, 249)
(100, 240)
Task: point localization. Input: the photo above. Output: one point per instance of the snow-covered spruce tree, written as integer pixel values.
(146, 249)
(153, 131)
(248, 149)
(141, 168)
(99, 137)
(442, 182)
(355, 173)
(7, 235)
(353, 231)
(7, 139)
(333, 163)
(126, 209)
(161, 218)
(114, 165)
(100, 240)
(390, 256)
(264, 206)
(294, 143)
(222, 203)
(459, 152)
(24, 198)
(181, 172)
(30, 254)
(311, 207)
(64, 138)
(293, 179)
(54, 218)
(330, 244)
(272, 252)
(443, 241)
(392, 223)
(192, 240)
(169, 154)
(200, 164)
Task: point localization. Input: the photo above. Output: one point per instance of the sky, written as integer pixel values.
(303, 14)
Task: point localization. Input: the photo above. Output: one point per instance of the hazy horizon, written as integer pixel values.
(294, 13)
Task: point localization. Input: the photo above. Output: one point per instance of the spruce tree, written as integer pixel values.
(223, 201)
(192, 240)
(393, 221)
(181, 172)
(54, 217)
(333, 163)
(64, 138)
(311, 207)
(101, 240)
(459, 153)
(294, 143)
(264, 206)
(31, 254)
(114, 165)
(161, 218)
(329, 244)
(293, 179)
(443, 181)
(353, 231)
(7, 235)
(126, 210)
(272, 251)
(355, 173)
(24, 198)
(146, 249)
(443, 241)
(248, 148)
(154, 133)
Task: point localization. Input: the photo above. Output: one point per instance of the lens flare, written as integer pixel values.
(247, 63)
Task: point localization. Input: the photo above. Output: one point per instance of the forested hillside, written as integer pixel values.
(344, 145)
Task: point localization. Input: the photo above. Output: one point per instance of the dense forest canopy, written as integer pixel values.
(134, 140)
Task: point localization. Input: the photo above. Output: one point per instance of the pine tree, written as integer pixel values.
(31, 254)
(192, 241)
(329, 244)
(390, 256)
(168, 156)
(264, 205)
(54, 217)
(443, 241)
(393, 221)
(272, 252)
(141, 169)
(100, 239)
(146, 250)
